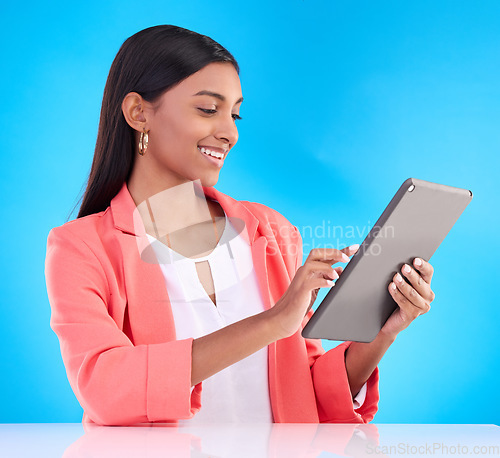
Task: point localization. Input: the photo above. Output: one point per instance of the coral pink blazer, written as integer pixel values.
(112, 315)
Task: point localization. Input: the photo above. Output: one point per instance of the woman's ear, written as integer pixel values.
(133, 106)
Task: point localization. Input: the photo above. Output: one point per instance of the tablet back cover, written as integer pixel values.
(414, 224)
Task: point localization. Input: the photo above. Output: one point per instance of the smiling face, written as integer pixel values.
(200, 112)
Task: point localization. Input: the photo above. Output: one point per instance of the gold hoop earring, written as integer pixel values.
(143, 142)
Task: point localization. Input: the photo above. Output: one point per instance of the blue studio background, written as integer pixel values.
(344, 100)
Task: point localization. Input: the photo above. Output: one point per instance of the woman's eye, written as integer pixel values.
(211, 111)
(208, 111)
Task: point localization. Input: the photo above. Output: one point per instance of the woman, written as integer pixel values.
(171, 300)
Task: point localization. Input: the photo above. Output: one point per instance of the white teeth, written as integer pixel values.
(211, 153)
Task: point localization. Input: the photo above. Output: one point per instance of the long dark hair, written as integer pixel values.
(149, 63)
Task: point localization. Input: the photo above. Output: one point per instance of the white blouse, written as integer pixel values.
(239, 393)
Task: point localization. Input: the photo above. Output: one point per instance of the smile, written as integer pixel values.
(211, 152)
(214, 157)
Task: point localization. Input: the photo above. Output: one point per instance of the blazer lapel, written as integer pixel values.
(150, 318)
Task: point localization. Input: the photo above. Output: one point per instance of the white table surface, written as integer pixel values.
(247, 440)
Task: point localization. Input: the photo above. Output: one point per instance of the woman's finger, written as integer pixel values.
(318, 267)
(425, 269)
(332, 254)
(421, 286)
(351, 249)
(407, 308)
(409, 292)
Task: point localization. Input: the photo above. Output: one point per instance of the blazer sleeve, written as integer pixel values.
(329, 375)
(115, 382)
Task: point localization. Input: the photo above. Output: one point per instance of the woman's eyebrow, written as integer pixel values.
(217, 96)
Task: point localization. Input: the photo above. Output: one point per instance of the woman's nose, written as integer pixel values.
(227, 130)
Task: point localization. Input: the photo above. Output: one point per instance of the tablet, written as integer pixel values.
(414, 224)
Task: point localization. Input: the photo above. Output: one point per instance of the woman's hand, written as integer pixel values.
(316, 272)
(413, 300)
